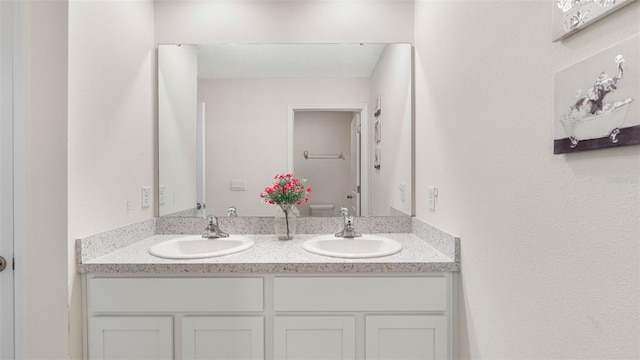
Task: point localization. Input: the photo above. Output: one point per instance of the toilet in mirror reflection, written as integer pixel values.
(324, 210)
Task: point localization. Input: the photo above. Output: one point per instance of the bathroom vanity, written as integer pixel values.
(273, 301)
(310, 316)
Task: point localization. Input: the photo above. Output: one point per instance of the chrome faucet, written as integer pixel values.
(212, 231)
(348, 231)
(232, 212)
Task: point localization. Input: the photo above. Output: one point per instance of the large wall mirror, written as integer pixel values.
(232, 116)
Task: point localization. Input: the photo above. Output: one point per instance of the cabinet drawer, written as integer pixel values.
(361, 293)
(175, 294)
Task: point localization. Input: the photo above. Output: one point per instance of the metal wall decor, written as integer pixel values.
(597, 100)
(570, 16)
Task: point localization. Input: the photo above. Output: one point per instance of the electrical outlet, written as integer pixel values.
(402, 192)
(146, 197)
(161, 194)
(433, 194)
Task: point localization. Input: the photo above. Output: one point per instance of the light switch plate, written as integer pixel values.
(238, 184)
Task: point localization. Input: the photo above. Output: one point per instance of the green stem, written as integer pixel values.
(286, 220)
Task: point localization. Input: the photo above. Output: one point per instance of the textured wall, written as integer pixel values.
(550, 244)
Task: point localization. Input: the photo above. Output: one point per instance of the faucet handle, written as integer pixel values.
(213, 230)
(232, 211)
(348, 230)
(348, 221)
(344, 212)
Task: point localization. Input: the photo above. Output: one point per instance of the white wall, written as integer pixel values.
(246, 132)
(177, 97)
(259, 21)
(42, 237)
(323, 132)
(111, 96)
(111, 126)
(391, 78)
(550, 248)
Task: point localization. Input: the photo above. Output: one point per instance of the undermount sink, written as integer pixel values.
(197, 247)
(367, 246)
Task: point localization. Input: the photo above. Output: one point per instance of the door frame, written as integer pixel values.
(201, 187)
(363, 109)
(356, 141)
(19, 27)
(14, 84)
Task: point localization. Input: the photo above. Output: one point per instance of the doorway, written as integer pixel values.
(335, 152)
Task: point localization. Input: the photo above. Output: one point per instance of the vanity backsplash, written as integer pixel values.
(264, 225)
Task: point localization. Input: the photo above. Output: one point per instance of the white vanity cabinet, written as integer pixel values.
(273, 317)
(175, 318)
(394, 317)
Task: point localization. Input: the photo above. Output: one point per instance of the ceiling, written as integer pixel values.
(232, 61)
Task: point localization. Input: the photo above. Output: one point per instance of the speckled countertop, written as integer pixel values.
(270, 255)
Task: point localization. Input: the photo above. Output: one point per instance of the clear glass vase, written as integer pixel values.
(285, 221)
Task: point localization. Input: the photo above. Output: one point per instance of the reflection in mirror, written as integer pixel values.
(233, 116)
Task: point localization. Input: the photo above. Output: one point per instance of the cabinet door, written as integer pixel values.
(223, 337)
(406, 337)
(130, 338)
(314, 337)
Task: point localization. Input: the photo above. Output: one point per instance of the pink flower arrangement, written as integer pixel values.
(286, 189)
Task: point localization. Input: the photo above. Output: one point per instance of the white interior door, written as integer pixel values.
(355, 164)
(6, 183)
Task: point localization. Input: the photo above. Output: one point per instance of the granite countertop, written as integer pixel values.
(269, 255)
